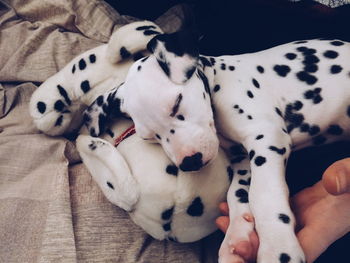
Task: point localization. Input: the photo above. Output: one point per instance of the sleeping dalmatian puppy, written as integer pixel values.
(166, 202)
(271, 102)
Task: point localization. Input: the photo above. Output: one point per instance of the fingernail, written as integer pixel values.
(340, 180)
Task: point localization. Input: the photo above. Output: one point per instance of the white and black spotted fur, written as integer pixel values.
(271, 102)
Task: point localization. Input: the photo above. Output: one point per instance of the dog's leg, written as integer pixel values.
(269, 197)
(110, 170)
(97, 114)
(237, 246)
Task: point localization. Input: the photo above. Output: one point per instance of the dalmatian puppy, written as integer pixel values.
(57, 105)
(271, 102)
(165, 201)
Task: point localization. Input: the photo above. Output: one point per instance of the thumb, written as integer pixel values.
(336, 178)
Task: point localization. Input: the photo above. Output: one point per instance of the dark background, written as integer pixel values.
(241, 26)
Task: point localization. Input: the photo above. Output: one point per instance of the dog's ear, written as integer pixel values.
(177, 54)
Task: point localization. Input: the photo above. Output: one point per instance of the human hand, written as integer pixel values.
(324, 206)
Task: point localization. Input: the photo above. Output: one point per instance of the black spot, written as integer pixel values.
(167, 227)
(237, 159)
(310, 59)
(250, 94)
(82, 64)
(259, 160)
(284, 258)
(242, 195)
(73, 69)
(256, 83)
(158, 136)
(196, 208)
(59, 105)
(140, 28)
(318, 140)
(251, 154)
(109, 184)
(314, 129)
(64, 94)
(260, 136)
(242, 172)
(335, 69)
(232, 68)
(110, 133)
(223, 66)
(230, 173)
(189, 72)
(150, 32)
(92, 146)
(240, 111)
(305, 76)
(166, 215)
(297, 105)
(176, 106)
(278, 111)
(85, 86)
(212, 61)
(139, 68)
(59, 121)
(304, 127)
(291, 56)
(205, 61)
(99, 100)
(137, 56)
(281, 70)
(249, 117)
(172, 169)
(236, 106)
(335, 130)
(284, 218)
(124, 53)
(41, 107)
(237, 150)
(330, 54)
(243, 182)
(337, 43)
(217, 88)
(92, 58)
(280, 151)
(164, 67)
(180, 117)
(205, 81)
(348, 111)
(300, 42)
(260, 69)
(312, 68)
(144, 59)
(172, 131)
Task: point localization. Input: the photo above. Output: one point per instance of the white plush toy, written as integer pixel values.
(136, 175)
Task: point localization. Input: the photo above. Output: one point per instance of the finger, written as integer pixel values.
(222, 223)
(336, 178)
(224, 208)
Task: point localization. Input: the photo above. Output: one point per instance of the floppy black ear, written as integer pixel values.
(177, 54)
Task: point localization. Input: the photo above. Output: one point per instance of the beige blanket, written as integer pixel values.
(50, 209)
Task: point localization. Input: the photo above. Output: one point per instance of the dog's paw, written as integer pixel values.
(53, 109)
(240, 242)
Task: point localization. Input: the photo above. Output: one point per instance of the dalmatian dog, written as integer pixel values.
(166, 202)
(271, 102)
(57, 105)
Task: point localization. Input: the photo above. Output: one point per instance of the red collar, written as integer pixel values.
(128, 132)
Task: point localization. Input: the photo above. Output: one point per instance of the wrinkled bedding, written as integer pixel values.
(50, 208)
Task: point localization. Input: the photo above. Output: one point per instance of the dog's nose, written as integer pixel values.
(192, 163)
